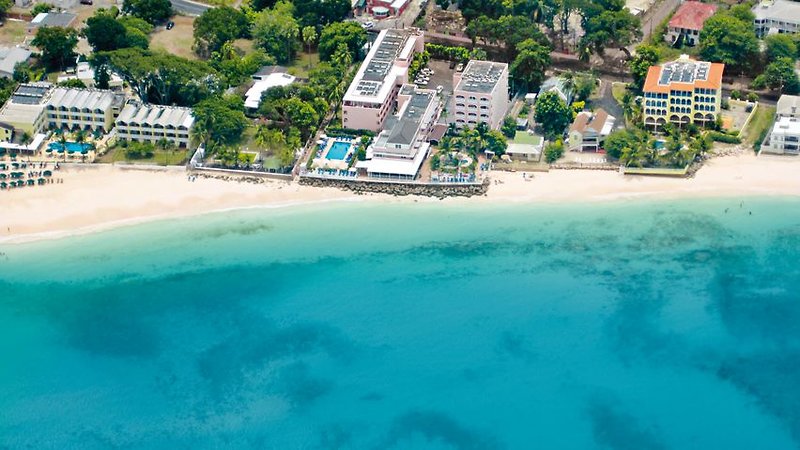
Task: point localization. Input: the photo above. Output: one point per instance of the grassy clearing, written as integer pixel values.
(759, 125)
(13, 32)
(160, 157)
(302, 63)
(618, 91)
(177, 41)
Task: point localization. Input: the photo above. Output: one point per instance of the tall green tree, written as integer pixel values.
(276, 31)
(104, 33)
(553, 114)
(779, 75)
(320, 12)
(309, 35)
(57, 45)
(349, 33)
(780, 46)
(728, 40)
(646, 56)
(220, 121)
(152, 11)
(530, 63)
(216, 26)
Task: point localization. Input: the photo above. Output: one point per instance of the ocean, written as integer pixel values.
(611, 325)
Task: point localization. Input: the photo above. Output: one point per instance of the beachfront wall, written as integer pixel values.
(400, 188)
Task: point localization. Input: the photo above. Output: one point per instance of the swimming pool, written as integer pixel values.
(72, 147)
(338, 150)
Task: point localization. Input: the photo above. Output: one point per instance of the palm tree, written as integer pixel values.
(309, 35)
(163, 143)
(568, 80)
(63, 141)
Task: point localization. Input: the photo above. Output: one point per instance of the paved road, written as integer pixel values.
(189, 7)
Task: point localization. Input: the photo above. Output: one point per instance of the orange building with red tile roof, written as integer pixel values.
(681, 92)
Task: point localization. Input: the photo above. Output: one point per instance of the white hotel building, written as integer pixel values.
(400, 149)
(481, 94)
(370, 99)
(151, 123)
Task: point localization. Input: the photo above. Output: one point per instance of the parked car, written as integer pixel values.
(87, 2)
(368, 25)
(170, 25)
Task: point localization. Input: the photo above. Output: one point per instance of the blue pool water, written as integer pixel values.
(610, 325)
(71, 147)
(338, 150)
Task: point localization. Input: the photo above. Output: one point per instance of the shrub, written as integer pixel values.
(554, 151)
(736, 95)
(724, 137)
(725, 104)
(140, 150)
(752, 97)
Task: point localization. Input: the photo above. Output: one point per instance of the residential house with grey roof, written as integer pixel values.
(481, 94)
(10, 57)
(151, 123)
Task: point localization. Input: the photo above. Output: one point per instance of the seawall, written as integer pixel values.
(397, 188)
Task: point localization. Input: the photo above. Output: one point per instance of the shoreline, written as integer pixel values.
(99, 198)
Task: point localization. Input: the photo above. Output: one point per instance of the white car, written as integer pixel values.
(367, 25)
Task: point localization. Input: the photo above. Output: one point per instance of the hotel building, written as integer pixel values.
(86, 109)
(370, 99)
(776, 16)
(24, 111)
(784, 137)
(681, 92)
(481, 94)
(152, 123)
(400, 149)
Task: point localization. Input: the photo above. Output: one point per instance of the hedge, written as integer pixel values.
(716, 136)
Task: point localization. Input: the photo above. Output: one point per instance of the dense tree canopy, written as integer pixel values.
(104, 32)
(531, 62)
(57, 45)
(780, 46)
(216, 26)
(152, 11)
(219, 121)
(348, 33)
(320, 12)
(235, 66)
(726, 39)
(610, 28)
(779, 75)
(276, 31)
(553, 114)
(507, 31)
(162, 78)
(645, 57)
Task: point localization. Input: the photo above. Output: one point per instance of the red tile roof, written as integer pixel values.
(691, 15)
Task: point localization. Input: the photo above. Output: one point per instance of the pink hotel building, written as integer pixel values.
(371, 97)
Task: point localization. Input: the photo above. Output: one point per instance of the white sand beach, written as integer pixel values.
(100, 196)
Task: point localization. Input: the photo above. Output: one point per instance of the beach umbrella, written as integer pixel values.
(31, 182)
(41, 180)
(49, 150)
(60, 150)
(3, 176)
(48, 173)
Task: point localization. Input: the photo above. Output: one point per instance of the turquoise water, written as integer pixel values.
(338, 150)
(667, 325)
(71, 147)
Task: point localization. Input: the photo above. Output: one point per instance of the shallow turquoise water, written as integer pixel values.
(668, 325)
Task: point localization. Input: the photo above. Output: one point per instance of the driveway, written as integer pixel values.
(605, 99)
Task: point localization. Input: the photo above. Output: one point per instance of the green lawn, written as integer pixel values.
(302, 63)
(160, 157)
(759, 124)
(618, 91)
(525, 138)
